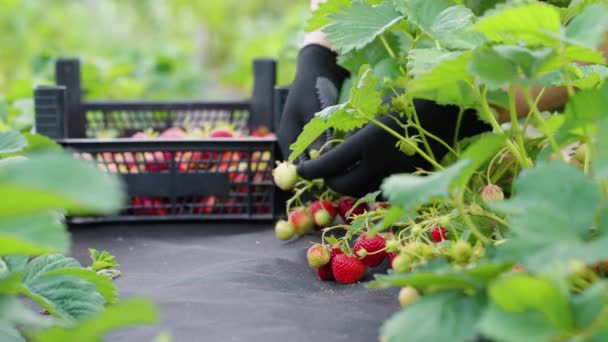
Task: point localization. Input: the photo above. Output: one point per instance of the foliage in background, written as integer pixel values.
(156, 49)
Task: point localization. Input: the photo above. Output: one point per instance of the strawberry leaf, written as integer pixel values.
(347, 32)
(533, 24)
(35, 234)
(589, 27)
(310, 133)
(500, 325)
(56, 180)
(454, 312)
(520, 293)
(320, 15)
(371, 54)
(600, 160)
(408, 191)
(66, 296)
(133, 311)
(492, 69)
(446, 83)
(583, 109)
(11, 141)
(104, 284)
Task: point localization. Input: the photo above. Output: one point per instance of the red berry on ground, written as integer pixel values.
(325, 273)
(323, 213)
(347, 269)
(374, 249)
(439, 234)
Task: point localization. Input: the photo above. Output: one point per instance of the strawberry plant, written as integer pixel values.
(505, 236)
(39, 185)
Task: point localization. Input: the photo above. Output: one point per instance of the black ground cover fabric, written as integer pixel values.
(233, 282)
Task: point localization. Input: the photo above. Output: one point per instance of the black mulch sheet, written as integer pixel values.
(233, 282)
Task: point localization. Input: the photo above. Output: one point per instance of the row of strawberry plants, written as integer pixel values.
(39, 185)
(506, 237)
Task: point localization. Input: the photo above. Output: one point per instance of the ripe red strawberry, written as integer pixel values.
(325, 273)
(345, 205)
(301, 220)
(391, 257)
(323, 213)
(318, 256)
(439, 234)
(371, 249)
(221, 133)
(335, 251)
(347, 269)
(172, 133)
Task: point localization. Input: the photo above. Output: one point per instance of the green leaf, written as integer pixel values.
(520, 293)
(587, 306)
(65, 296)
(8, 333)
(15, 312)
(529, 326)
(130, 312)
(320, 16)
(372, 54)
(359, 25)
(443, 277)
(492, 69)
(447, 83)
(35, 234)
(589, 27)
(531, 62)
(446, 22)
(104, 285)
(393, 215)
(11, 141)
(440, 316)
(102, 260)
(310, 133)
(408, 191)
(478, 153)
(533, 24)
(56, 180)
(364, 95)
(422, 61)
(600, 160)
(584, 108)
(9, 282)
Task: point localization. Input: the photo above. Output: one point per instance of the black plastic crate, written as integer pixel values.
(172, 179)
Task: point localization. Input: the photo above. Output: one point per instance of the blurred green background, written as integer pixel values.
(147, 49)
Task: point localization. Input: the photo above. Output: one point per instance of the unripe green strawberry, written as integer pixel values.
(407, 296)
(285, 176)
(284, 230)
(475, 209)
(581, 153)
(314, 154)
(407, 146)
(323, 213)
(318, 256)
(491, 193)
(392, 246)
(402, 263)
(462, 252)
(416, 230)
(428, 251)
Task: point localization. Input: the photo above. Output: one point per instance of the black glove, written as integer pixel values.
(359, 165)
(316, 63)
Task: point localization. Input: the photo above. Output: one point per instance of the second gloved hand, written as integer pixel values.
(359, 165)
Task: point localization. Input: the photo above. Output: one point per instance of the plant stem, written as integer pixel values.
(492, 120)
(436, 138)
(467, 220)
(514, 123)
(541, 122)
(458, 124)
(398, 136)
(421, 131)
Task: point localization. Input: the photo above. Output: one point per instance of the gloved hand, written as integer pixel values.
(315, 62)
(358, 166)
